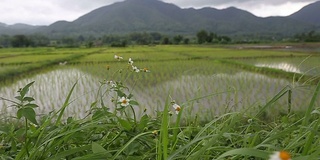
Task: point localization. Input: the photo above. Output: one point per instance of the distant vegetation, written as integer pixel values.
(138, 38)
(311, 36)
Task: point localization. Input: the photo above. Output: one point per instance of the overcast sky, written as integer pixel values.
(45, 12)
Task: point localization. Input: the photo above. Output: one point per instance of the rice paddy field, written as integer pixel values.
(214, 85)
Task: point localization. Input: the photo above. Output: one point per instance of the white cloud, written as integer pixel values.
(199, 3)
(278, 10)
(265, 9)
(45, 12)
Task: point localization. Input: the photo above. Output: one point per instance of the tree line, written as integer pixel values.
(137, 38)
(311, 36)
(114, 40)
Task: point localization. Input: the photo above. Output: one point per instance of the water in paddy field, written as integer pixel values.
(283, 66)
(220, 92)
(303, 65)
(51, 89)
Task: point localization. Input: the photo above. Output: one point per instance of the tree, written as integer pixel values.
(123, 43)
(5, 41)
(311, 36)
(38, 40)
(68, 41)
(177, 39)
(224, 39)
(165, 40)
(141, 38)
(186, 41)
(20, 41)
(211, 37)
(202, 36)
(80, 39)
(156, 37)
(90, 44)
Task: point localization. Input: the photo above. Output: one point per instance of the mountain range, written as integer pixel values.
(157, 16)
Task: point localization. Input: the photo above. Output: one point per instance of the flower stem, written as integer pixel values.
(26, 137)
(134, 115)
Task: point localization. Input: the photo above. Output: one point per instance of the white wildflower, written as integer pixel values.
(176, 107)
(124, 101)
(130, 61)
(118, 57)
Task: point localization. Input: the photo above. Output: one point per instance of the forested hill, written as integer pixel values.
(308, 14)
(157, 16)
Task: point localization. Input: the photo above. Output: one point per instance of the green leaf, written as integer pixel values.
(120, 150)
(94, 104)
(120, 94)
(143, 122)
(28, 113)
(164, 132)
(25, 89)
(125, 124)
(301, 158)
(96, 156)
(18, 98)
(19, 113)
(29, 99)
(130, 96)
(97, 114)
(31, 105)
(66, 153)
(311, 105)
(65, 104)
(315, 112)
(69, 120)
(97, 148)
(134, 103)
(245, 152)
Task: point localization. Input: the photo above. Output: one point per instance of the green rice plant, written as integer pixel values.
(25, 59)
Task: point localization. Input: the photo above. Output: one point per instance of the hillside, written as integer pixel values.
(156, 16)
(308, 14)
(18, 28)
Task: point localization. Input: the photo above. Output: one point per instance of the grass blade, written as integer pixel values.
(274, 99)
(66, 103)
(312, 102)
(70, 152)
(128, 143)
(164, 136)
(245, 152)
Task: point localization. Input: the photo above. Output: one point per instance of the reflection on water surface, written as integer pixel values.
(283, 66)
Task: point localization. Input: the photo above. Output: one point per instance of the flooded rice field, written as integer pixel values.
(211, 91)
